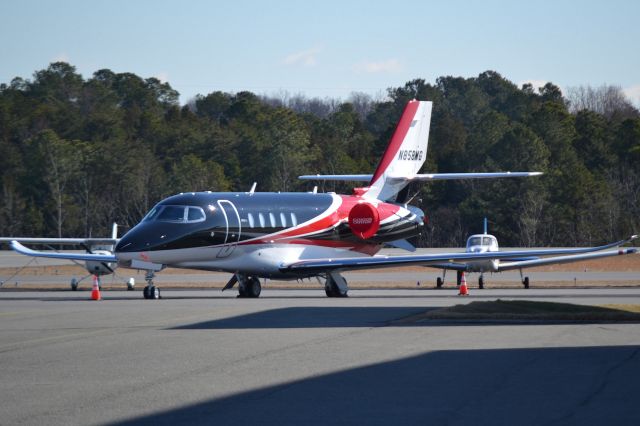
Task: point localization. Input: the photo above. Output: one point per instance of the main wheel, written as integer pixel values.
(253, 287)
(481, 283)
(525, 282)
(145, 291)
(131, 284)
(74, 284)
(331, 289)
(439, 282)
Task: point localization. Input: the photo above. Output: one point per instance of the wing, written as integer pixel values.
(69, 256)
(507, 266)
(62, 241)
(436, 260)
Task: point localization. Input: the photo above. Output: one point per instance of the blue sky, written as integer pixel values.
(327, 48)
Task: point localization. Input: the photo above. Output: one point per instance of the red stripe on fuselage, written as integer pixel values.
(396, 141)
(304, 234)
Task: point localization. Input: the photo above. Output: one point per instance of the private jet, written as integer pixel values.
(292, 236)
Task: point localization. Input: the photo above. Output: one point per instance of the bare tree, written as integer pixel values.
(606, 100)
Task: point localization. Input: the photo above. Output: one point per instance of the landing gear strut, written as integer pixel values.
(525, 280)
(440, 281)
(150, 291)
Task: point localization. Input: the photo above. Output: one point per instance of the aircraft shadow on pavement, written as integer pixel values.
(309, 317)
(568, 386)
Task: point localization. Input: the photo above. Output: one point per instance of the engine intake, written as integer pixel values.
(364, 220)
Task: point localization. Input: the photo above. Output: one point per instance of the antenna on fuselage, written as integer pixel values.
(485, 225)
(253, 188)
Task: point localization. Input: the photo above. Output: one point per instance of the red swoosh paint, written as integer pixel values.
(398, 137)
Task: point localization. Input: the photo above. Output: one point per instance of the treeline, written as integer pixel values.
(79, 154)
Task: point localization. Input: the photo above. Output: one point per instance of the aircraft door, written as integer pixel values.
(233, 227)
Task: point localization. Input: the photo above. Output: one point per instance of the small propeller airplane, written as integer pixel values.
(101, 246)
(487, 243)
(292, 236)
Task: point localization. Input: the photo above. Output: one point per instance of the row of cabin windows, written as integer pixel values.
(261, 220)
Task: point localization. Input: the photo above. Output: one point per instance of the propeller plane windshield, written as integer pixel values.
(257, 235)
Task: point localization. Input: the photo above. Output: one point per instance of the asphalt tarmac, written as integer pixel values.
(297, 357)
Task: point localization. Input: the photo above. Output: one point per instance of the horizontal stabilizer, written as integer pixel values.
(422, 177)
(451, 176)
(342, 178)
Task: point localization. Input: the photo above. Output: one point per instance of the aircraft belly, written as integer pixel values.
(263, 260)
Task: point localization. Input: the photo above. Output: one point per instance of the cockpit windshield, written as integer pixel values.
(475, 241)
(481, 241)
(176, 214)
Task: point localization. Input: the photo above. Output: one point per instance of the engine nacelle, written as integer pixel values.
(364, 220)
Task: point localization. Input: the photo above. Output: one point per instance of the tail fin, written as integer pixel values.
(405, 154)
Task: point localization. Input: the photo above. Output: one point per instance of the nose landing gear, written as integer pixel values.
(150, 291)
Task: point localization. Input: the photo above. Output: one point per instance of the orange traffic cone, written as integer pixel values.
(464, 291)
(95, 291)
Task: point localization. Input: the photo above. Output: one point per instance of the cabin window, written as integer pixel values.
(272, 219)
(251, 221)
(294, 219)
(261, 219)
(283, 220)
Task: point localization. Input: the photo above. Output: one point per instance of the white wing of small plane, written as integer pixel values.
(62, 241)
(15, 245)
(439, 259)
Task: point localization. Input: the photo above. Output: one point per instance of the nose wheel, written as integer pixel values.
(150, 291)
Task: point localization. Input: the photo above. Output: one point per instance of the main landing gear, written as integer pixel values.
(131, 282)
(335, 285)
(525, 280)
(249, 287)
(150, 291)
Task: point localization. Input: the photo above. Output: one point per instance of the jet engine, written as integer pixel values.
(364, 220)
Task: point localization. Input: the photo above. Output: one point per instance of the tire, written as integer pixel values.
(145, 292)
(480, 283)
(254, 287)
(525, 282)
(74, 284)
(439, 282)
